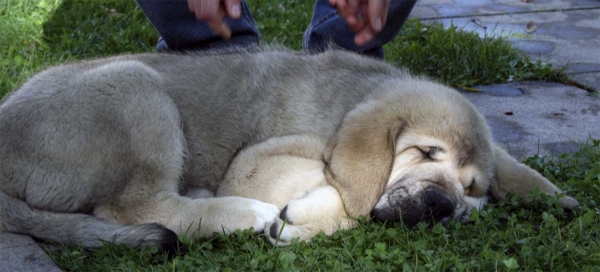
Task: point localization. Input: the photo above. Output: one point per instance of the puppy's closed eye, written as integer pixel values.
(429, 153)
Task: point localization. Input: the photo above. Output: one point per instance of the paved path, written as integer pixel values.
(526, 118)
(535, 117)
(21, 253)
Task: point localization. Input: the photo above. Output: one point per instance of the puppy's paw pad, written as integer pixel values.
(280, 233)
(274, 231)
(303, 218)
(283, 215)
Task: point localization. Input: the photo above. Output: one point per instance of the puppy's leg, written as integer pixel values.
(277, 170)
(85, 230)
(288, 171)
(95, 136)
(514, 176)
(150, 158)
(322, 210)
(204, 216)
(195, 193)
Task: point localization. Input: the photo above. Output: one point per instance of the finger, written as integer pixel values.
(364, 36)
(361, 19)
(198, 9)
(352, 17)
(219, 26)
(340, 6)
(191, 5)
(343, 11)
(386, 7)
(225, 32)
(206, 10)
(354, 23)
(214, 18)
(233, 8)
(375, 9)
(352, 7)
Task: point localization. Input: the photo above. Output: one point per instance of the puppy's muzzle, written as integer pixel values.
(440, 206)
(431, 205)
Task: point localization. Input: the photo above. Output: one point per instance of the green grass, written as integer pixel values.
(463, 59)
(35, 34)
(526, 235)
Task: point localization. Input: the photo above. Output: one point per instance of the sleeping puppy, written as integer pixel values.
(418, 153)
(139, 149)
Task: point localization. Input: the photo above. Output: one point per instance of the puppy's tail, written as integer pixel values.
(90, 232)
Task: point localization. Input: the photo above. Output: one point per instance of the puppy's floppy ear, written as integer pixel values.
(514, 176)
(359, 157)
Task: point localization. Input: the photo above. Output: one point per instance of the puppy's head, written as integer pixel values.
(421, 152)
(430, 183)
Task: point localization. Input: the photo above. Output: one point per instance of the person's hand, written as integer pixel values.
(373, 15)
(214, 11)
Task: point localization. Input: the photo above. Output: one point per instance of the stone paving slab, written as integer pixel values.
(567, 32)
(591, 79)
(529, 118)
(428, 9)
(544, 117)
(21, 253)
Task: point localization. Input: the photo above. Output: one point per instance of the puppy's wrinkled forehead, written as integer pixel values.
(446, 118)
(468, 139)
(443, 160)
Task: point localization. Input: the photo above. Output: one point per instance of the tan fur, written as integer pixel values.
(520, 179)
(118, 149)
(359, 159)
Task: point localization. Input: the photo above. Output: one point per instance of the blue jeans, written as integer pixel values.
(180, 30)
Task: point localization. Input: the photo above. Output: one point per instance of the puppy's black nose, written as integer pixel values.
(440, 206)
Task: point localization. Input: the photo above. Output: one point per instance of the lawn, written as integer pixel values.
(522, 235)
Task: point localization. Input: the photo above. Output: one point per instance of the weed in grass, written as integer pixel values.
(464, 59)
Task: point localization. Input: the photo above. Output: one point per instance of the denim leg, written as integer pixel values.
(328, 27)
(181, 31)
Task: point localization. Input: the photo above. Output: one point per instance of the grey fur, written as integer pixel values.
(91, 150)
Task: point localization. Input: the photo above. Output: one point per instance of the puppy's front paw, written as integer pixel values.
(320, 211)
(264, 214)
(283, 230)
(231, 213)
